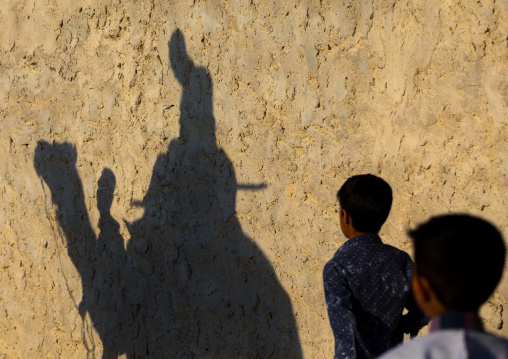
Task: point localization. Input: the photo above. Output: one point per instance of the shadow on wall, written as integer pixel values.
(190, 284)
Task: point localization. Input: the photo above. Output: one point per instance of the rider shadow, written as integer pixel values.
(190, 284)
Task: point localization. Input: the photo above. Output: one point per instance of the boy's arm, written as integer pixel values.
(342, 319)
(414, 319)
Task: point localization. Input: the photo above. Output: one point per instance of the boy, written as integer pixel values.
(367, 283)
(459, 260)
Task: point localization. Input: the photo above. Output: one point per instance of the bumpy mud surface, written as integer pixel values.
(169, 168)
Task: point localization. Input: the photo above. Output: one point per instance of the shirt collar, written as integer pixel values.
(465, 320)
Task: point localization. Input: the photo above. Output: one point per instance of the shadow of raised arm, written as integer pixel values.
(56, 164)
(99, 261)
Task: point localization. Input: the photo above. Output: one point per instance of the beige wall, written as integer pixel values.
(305, 94)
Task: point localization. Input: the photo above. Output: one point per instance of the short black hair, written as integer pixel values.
(368, 200)
(462, 257)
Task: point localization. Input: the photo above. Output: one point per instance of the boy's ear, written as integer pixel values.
(425, 296)
(346, 216)
(420, 288)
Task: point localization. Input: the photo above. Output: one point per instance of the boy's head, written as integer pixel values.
(366, 201)
(459, 260)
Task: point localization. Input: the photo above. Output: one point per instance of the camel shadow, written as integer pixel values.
(190, 283)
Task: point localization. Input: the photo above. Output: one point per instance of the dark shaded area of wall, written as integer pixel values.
(190, 283)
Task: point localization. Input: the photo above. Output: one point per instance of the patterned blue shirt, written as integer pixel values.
(367, 286)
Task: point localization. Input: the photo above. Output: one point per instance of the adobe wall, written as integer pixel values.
(120, 146)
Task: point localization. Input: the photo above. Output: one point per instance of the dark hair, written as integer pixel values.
(462, 257)
(367, 199)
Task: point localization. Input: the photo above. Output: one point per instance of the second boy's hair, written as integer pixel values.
(462, 257)
(368, 200)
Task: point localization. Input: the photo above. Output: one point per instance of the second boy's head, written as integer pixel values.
(459, 260)
(365, 202)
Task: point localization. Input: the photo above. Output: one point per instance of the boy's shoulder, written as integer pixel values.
(356, 252)
(367, 244)
(452, 344)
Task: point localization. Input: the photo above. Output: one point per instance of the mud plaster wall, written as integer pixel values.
(305, 94)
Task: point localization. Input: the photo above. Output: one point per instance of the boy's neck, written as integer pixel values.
(354, 233)
(453, 312)
(456, 320)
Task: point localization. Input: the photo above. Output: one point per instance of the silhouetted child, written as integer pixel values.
(367, 283)
(459, 260)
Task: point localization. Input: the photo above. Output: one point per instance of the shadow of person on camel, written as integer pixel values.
(190, 283)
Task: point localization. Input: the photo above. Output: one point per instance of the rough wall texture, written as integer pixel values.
(172, 193)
